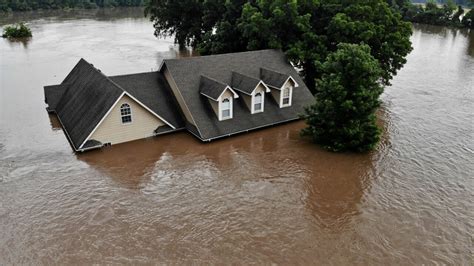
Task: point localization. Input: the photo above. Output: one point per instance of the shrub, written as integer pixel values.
(19, 30)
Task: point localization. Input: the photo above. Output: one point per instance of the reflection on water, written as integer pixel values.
(19, 42)
(266, 196)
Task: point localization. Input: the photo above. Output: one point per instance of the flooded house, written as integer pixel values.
(209, 96)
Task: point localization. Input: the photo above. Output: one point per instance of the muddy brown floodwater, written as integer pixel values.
(263, 197)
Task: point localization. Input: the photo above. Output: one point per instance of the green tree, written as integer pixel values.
(343, 115)
(187, 20)
(468, 19)
(308, 31)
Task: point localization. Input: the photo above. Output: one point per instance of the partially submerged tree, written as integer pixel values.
(19, 30)
(343, 115)
(306, 30)
(468, 19)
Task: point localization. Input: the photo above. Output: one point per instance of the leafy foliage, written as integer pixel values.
(308, 31)
(19, 30)
(343, 115)
(468, 19)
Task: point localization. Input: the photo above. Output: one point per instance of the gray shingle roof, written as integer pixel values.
(187, 73)
(272, 77)
(152, 90)
(244, 83)
(86, 95)
(211, 88)
(52, 95)
(85, 102)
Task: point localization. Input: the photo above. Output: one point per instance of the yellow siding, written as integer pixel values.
(276, 95)
(113, 131)
(215, 106)
(247, 100)
(227, 94)
(289, 83)
(177, 95)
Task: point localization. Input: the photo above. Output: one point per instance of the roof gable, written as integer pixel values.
(86, 100)
(274, 78)
(153, 91)
(213, 89)
(244, 83)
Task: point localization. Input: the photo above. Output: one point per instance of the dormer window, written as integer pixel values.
(258, 103)
(220, 97)
(126, 113)
(282, 85)
(252, 91)
(286, 96)
(226, 109)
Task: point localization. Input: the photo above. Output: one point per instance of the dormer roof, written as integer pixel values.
(274, 78)
(186, 74)
(244, 83)
(213, 89)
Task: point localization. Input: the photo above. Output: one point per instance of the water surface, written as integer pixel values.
(266, 196)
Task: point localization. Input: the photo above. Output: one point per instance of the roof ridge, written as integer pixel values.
(139, 73)
(247, 76)
(215, 80)
(269, 69)
(218, 55)
(106, 77)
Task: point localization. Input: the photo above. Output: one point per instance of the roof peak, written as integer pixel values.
(223, 54)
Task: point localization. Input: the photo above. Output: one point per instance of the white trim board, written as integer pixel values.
(112, 107)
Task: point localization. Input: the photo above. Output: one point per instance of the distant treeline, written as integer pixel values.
(465, 3)
(432, 12)
(27, 5)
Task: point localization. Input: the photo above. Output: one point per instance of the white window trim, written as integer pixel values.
(221, 118)
(121, 116)
(281, 96)
(253, 102)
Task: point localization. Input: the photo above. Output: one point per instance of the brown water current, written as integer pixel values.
(262, 197)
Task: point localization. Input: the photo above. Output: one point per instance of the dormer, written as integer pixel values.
(220, 96)
(282, 86)
(253, 91)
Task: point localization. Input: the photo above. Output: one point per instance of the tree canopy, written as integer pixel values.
(343, 115)
(308, 31)
(445, 13)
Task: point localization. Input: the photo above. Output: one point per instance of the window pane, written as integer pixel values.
(126, 113)
(258, 107)
(226, 104)
(226, 113)
(286, 92)
(258, 98)
(286, 100)
(126, 119)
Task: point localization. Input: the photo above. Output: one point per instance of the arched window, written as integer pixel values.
(286, 96)
(226, 108)
(126, 113)
(258, 102)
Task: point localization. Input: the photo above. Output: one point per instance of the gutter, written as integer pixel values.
(64, 130)
(247, 130)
